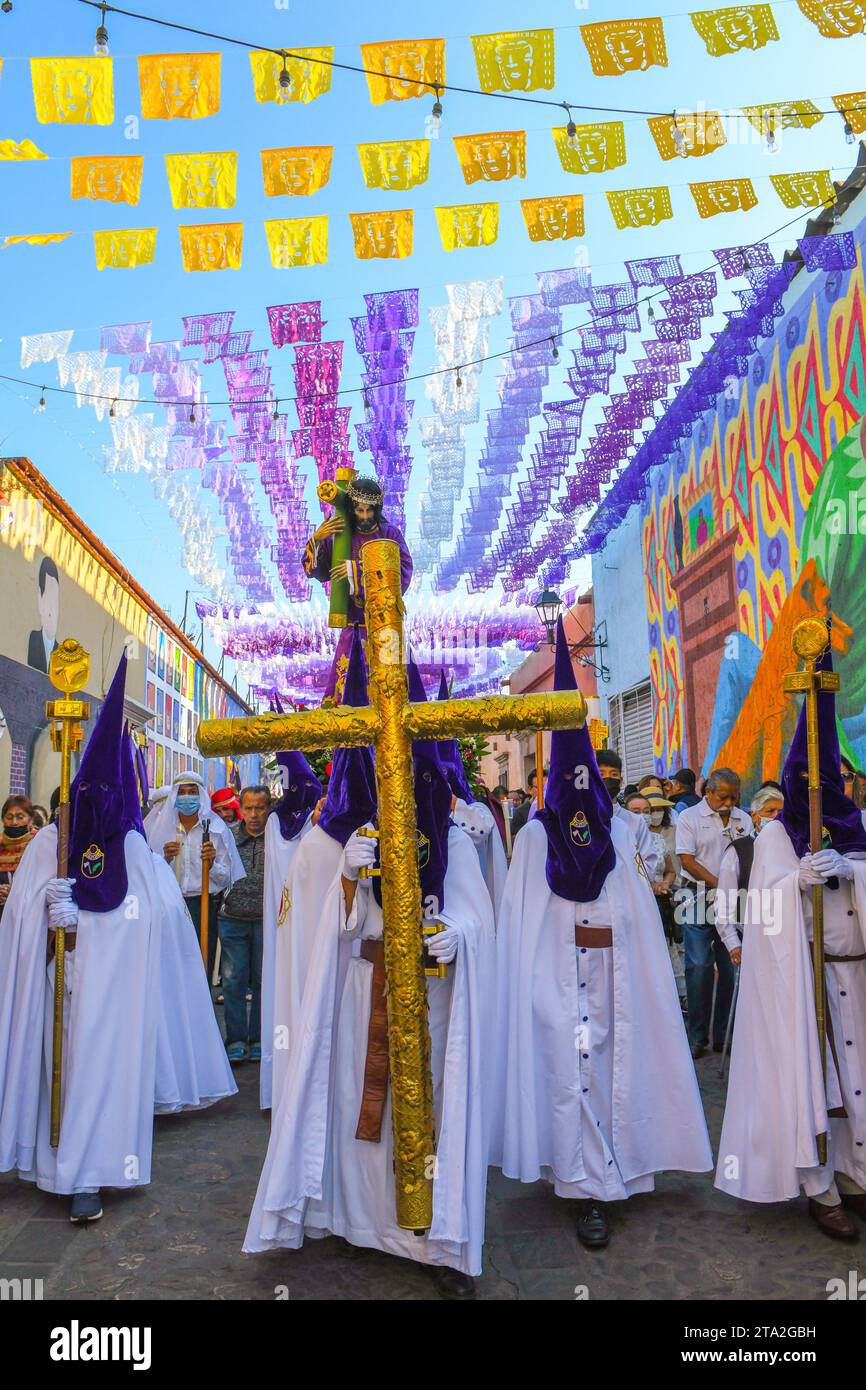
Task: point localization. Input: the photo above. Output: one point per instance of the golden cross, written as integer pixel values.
(598, 732)
(391, 724)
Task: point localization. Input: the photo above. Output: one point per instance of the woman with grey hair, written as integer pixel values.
(736, 867)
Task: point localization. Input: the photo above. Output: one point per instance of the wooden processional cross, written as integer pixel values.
(390, 725)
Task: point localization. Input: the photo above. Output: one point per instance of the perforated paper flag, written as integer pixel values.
(203, 180)
(382, 235)
(395, 165)
(309, 74)
(492, 157)
(595, 148)
(35, 238)
(521, 61)
(468, 224)
(23, 149)
(73, 91)
(836, 19)
(724, 195)
(409, 68)
(809, 190)
(111, 178)
(297, 241)
(212, 246)
(687, 134)
(179, 85)
(297, 171)
(618, 46)
(736, 28)
(125, 248)
(554, 219)
(852, 105)
(783, 115)
(640, 207)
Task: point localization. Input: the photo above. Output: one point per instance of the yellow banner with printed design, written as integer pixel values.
(111, 178)
(783, 115)
(295, 241)
(593, 149)
(124, 248)
(554, 219)
(735, 28)
(395, 165)
(35, 238)
(521, 61)
(212, 246)
(852, 106)
(382, 235)
(808, 190)
(20, 149)
(203, 180)
(492, 157)
(618, 46)
(73, 91)
(309, 72)
(836, 19)
(403, 68)
(296, 171)
(687, 134)
(468, 224)
(723, 195)
(179, 85)
(640, 207)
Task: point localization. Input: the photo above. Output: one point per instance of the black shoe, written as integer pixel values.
(451, 1284)
(592, 1228)
(86, 1206)
(698, 1050)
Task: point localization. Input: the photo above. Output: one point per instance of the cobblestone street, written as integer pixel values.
(181, 1237)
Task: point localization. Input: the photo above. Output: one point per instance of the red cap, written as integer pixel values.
(227, 798)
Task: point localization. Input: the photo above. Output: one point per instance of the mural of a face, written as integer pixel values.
(553, 220)
(401, 67)
(641, 208)
(845, 17)
(496, 157)
(725, 197)
(49, 607)
(105, 181)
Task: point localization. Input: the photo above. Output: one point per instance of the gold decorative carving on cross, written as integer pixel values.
(390, 725)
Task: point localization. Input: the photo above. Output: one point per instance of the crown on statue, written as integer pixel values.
(366, 490)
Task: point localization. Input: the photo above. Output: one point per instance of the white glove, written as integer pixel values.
(59, 890)
(831, 863)
(63, 914)
(808, 873)
(360, 853)
(442, 945)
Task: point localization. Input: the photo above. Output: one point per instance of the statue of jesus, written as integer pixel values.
(368, 524)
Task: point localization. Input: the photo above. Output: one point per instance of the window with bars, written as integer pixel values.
(630, 716)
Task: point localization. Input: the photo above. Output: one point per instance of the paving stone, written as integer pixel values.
(40, 1241)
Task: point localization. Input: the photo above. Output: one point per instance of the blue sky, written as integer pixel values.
(59, 287)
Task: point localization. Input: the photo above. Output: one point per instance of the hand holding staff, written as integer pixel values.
(206, 861)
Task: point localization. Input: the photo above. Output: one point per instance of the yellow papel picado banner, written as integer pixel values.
(618, 46)
(124, 248)
(112, 178)
(20, 149)
(295, 241)
(179, 85)
(736, 28)
(783, 115)
(687, 134)
(403, 68)
(468, 224)
(395, 165)
(808, 190)
(836, 19)
(297, 171)
(492, 157)
(35, 239)
(723, 195)
(203, 180)
(382, 235)
(593, 149)
(521, 61)
(212, 246)
(554, 219)
(852, 105)
(309, 73)
(640, 207)
(73, 91)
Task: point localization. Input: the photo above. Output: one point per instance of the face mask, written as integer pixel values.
(188, 805)
(648, 817)
(656, 817)
(14, 832)
(613, 785)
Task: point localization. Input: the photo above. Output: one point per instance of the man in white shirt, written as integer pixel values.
(704, 832)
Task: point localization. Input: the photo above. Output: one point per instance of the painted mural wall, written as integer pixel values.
(759, 522)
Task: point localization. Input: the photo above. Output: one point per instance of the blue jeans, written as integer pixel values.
(704, 948)
(241, 944)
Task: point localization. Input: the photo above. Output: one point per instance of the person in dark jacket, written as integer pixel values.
(241, 931)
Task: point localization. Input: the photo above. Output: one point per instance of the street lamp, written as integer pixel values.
(547, 606)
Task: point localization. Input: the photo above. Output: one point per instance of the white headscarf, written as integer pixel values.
(163, 826)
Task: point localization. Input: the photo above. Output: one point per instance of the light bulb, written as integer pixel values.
(849, 134)
(571, 135)
(6, 6)
(41, 406)
(285, 82)
(112, 412)
(192, 416)
(276, 414)
(101, 46)
(433, 123)
(679, 140)
(554, 350)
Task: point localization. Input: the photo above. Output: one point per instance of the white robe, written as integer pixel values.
(776, 1102)
(313, 870)
(478, 822)
(318, 1178)
(192, 1069)
(110, 1027)
(596, 1090)
(279, 856)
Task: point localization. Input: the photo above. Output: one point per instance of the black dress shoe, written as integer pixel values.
(592, 1228)
(450, 1283)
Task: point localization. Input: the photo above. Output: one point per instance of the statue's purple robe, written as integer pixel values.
(317, 564)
